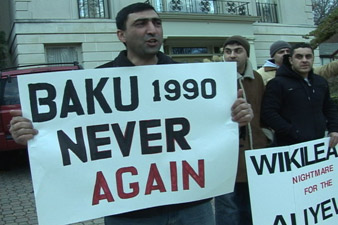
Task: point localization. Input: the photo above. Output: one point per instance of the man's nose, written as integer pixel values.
(285, 52)
(233, 54)
(151, 29)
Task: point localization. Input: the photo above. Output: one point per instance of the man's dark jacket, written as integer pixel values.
(298, 110)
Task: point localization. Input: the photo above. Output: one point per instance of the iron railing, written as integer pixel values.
(267, 12)
(202, 6)
(92, 9)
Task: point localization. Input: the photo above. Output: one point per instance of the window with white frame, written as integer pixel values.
(93, 8)
(63, 54)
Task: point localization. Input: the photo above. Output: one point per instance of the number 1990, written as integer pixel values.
(190, 89)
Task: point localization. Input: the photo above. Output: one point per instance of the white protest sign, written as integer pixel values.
(294, 185)
(121, 139)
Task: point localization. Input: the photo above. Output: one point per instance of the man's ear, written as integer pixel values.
(290, 60)
(121, 36)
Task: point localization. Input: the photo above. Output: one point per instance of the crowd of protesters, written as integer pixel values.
(295, 105)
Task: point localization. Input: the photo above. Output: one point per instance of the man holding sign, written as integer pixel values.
(296, 183)
(234, 208)
(139, 28)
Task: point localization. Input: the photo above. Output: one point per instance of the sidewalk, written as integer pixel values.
(17, 205)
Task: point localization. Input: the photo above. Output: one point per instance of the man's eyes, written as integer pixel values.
(157, 22)
(283, 52)
(144, 22)
(236, 51)
(140, 23)
(301, 56)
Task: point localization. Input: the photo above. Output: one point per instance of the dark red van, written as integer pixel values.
(9, 97)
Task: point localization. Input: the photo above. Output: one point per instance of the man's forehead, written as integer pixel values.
(233, 46)
(302, 51)
(143, 15)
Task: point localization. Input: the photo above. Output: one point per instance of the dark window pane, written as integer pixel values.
(11, 93)
(189, 51)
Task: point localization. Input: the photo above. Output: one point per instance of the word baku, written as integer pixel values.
(71, 102)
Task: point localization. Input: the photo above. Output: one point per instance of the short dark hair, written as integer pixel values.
(300, 45)
(123, 14)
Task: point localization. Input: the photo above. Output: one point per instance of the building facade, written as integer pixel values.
(46, 31)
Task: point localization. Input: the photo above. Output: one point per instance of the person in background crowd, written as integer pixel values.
(277, 50)
(139, 28)
(297, 103)
(280, 48)
(328, 70)
(234, 208)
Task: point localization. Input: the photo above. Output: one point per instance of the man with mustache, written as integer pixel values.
(297, 103)
(141, 32)
(277, 50)
(234, 208)
(139, 28)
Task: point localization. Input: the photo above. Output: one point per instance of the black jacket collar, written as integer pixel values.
(122, 61)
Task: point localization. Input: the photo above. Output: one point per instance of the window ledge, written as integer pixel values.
(180, 17)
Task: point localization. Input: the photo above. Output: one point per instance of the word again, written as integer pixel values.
(102, 190)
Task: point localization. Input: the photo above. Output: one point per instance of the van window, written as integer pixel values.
(11, 92)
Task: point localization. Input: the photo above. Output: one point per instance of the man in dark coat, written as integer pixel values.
(297, 103)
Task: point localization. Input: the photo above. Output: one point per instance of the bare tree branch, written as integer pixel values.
(322, 8)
